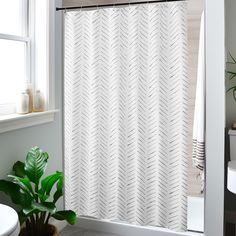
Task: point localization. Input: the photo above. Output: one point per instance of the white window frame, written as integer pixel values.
(16, 121)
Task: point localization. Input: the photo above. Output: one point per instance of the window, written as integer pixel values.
(27, 55)
(15, 46)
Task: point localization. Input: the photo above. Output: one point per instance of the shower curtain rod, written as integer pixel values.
(115, 4)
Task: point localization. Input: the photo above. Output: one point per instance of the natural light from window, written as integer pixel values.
(13, 52)
(11, 17)
(12, 73)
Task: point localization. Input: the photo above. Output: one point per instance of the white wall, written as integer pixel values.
(14, 145)
(215, 116)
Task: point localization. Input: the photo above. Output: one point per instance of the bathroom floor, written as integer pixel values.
(75, 231)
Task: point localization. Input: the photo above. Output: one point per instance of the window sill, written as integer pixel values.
(16, 121)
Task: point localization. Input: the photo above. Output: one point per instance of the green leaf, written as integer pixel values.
(17, 196)
(234, 61)
(69, 216)
(30, 211)
(232, 74)
(18, 169)
(47, 184)
(59, 191)
(25, 199)
(11, 189)
(233, 90)
(22, 217)
(23, 183)
(35, 164)
(234, 93)
(42, 197)
(45, 206)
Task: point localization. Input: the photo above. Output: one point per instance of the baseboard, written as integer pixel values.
(59, 224)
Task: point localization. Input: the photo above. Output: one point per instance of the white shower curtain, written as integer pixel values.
(126, 114)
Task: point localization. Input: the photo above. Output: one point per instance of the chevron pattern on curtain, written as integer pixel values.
(126, 114)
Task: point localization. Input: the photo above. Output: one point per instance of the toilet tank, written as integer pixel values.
(232, 143)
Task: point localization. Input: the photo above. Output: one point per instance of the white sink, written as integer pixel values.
(231, 183)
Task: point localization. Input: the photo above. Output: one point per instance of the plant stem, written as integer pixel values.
(47, 219)
(29, 229)
(33, 223)
(41, 221)
(42, 216)
(36, 191)
(37, 199)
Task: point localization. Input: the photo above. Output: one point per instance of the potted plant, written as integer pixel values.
(33, 195)
(232, 75)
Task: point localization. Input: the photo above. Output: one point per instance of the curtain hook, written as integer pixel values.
(65, 10)
(81, 5)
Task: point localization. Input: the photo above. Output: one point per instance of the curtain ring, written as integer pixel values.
(81, 5)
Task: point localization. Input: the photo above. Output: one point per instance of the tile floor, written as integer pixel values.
(75, 231)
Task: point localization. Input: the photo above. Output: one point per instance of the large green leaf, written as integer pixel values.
(234, 60)
(30, 211)
(232, 74)
(59, 191)
(19, 169)
(25, 199)
(47, 184)
(233, 90)
(14, 192)
(69, 216)
(24, 184)
(11, 189)
(45, 206)
(35, 164)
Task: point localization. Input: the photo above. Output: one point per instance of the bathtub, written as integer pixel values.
(106, 227)
(196, 214)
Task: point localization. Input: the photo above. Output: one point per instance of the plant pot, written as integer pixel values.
(52, 231)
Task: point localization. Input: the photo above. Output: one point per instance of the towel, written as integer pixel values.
(199, 113)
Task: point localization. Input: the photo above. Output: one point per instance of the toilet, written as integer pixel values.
(231, 179)
(9, 222)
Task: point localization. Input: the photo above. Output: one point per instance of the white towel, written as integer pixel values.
(199, 113)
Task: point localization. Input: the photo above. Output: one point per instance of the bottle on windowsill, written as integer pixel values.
(39, 102)
(22, 104)
(29, 91)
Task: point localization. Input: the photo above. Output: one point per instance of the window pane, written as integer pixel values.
(12, 69)
(13, 17)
